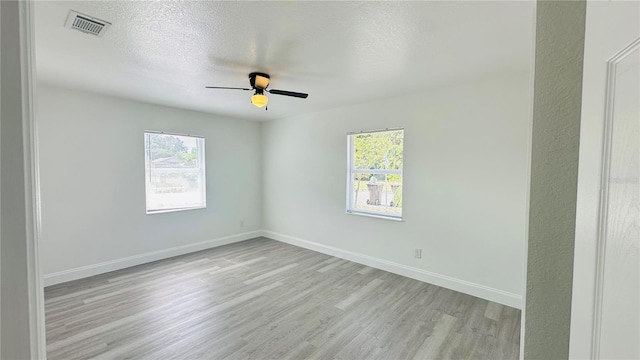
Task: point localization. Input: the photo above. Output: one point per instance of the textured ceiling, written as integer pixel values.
(341, 53)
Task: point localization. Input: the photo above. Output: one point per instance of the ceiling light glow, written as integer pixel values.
(259, 100)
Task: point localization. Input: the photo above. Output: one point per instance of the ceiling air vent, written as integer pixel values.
(86, 24)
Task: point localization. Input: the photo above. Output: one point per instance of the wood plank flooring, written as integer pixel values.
(262, 299)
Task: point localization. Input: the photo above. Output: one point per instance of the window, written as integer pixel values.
(174, 172)
(374, 184)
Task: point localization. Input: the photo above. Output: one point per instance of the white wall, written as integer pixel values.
(465, 185)
(93, 193)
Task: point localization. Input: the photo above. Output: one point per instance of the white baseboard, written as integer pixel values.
(107, 266)
(481, 291)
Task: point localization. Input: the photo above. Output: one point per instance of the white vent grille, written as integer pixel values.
(86, 24)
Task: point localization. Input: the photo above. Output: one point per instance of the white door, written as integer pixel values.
(605, 321)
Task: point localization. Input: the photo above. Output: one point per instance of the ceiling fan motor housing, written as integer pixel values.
(259, 81)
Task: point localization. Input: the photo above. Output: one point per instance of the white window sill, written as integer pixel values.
(174, 210)
(377, 216)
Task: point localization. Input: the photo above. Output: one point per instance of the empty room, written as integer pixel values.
(319, 180)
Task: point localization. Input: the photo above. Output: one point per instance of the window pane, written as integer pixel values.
(377, 193)
(173, 189)
(379, 150)
(375, 165)
(173, 151)
(175, 172)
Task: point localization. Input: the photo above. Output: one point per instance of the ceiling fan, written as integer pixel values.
(259, 83)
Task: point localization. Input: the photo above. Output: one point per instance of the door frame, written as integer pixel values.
(37, 331)
(32, 183)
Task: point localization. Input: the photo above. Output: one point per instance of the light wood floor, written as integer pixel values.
(262, 299)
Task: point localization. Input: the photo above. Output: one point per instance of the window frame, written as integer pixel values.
(201, 169)
(351, 171)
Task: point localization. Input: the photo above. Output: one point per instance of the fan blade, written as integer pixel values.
(226, 88)
(288, 93)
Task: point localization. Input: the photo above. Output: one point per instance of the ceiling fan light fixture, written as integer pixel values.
(259, 100)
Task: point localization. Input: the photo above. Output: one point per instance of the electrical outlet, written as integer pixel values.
(241, 223)
(418, 253)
